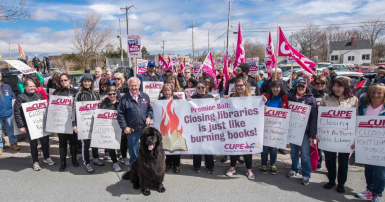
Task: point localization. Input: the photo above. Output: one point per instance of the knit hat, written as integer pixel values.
(301, 82)
(245, 67)
(87, 77)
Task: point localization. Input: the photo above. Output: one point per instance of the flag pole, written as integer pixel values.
(276, 55)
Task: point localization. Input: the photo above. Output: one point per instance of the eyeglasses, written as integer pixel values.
(239, 85)
(320, 83)
(65, 80)
(111, 94)
(201, 87)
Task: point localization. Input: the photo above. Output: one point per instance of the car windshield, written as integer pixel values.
(323, 65)
(286, 74)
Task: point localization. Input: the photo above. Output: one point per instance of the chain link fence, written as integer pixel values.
(114, 63)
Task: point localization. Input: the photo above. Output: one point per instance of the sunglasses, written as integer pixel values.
(320, 83)
(111, 94)
(63, 80)
(201, 87)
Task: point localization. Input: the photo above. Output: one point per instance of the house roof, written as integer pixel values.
(347, 45)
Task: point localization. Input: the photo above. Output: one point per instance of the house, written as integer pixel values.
(355, 52)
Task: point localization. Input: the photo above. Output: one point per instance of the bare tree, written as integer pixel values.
(307, 40)
(253, 48)
(63, 64)
(91, 36)
(378, 51)
(373, 29)
(11, 11)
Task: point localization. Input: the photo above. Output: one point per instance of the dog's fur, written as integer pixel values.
(147, 171)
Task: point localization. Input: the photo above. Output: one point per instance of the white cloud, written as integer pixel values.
(373, 8)
(327, 7)
(337, 18)
(44, 15)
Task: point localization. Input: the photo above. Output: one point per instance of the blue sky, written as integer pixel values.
(50, 31)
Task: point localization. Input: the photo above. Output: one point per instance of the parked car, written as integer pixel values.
(323, 64)
(128, 70)
(287, 67)
(261, 66)
(75, 80)
(338, 67)
(362, 86)
(370, 70)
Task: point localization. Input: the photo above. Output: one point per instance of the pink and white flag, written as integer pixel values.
(163, 63)
(271, 59)
(240, 53)
(183, 65)
(209, 67)
(285, 49)
(226, 76)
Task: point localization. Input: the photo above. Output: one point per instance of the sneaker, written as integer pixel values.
(292, 174)
(367, 194)
(224, 158)
(49, 161)
(329, 185)
(250, 175)
(340, 189)
(97, 162)
(282, 151)
(230, 172)
(305, 181)
(376, 198)
(210, 171)
(36, 166)
(15, 147)
(116, 167)
(196, 170)
(126, 161)
(263, 169)
(89, 168)
(273, 170)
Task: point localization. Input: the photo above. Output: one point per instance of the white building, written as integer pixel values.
(355, 52)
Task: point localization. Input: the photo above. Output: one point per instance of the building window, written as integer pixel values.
(334, 57)
(365, 56)
(350, 58)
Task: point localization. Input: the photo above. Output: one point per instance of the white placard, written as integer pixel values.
(318, 100)
(189, 92)
(197, 69)
(141, 66)
(181, 95)
(253, 62)
(34, 113)
(336, 128)
(370, 140)
(106, 132)
(50, 92)
(134, 46)
(174, 60)
(277, 121)
(298, 121)
(16, 130)
(84, 113)
(152, 89)
(21, 66)
(59, 115)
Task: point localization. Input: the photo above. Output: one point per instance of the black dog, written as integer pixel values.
(147, 171)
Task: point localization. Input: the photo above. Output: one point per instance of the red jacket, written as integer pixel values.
(41, 91)
(285, 100)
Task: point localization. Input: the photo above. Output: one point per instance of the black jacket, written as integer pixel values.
(85, 95)
(333, 77)
(266, 84)
(107, 104)
(173, 97)
(71, 92)
(18, 110)
(123, 88)
(251, 82)
(320, 93)
(197, 96)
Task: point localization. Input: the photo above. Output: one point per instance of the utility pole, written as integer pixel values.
(129, 59)
(208, 41)
(192, 28)
(228, 27)
(121, 45)
(163, 49)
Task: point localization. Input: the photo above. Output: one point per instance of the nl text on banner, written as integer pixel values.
(106, 132)
(370, 140)
(134, 46)
(336, 128)
(84, 115)
(189, 91)
(277, 123)
(230, 126)
(141, 66)
(59, 115)
(298, 121)
(21, 66)
(34, 113)
(152, 88)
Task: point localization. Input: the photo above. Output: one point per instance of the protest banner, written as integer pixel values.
(336, 128)
(290, 59)
(134, 46)
(141, 66)
(189, 91)
(106, 132)
(298, 121)
(197, 69)
(152, 88)
(84, 114)
(50, 92)
(253, 62)
(16, 130)
(211, 126)
(370, 140)
(232, 89)
(219, 61)
(59, 114)
(34, 113)
(181, 95)
(276, 130)
(318, 100)
(174, 60)
(21, 66)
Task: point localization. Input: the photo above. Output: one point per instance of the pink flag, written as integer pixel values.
(240, 53)
(209, 67)
(226, 76)
(168, 61)
(183, 65)
(270, 56)
(285, 49)
(163, 63)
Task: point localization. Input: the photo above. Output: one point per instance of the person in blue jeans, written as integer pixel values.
(301, 93)
(373, 105)
(6, 118)
(276, 97)
(134, 114)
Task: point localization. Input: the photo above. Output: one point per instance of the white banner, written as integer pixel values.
(174, 60)
(21, 66)
(253, 62)
(181, 95)
(84, 113)
(277, 123)
(59, 115)
(106, 132)
(16, 130)
(189, 91)
(210, 126)
(134, 46)
(232, 89)
(152, 89)
(336, 128)
(34, 113)
(298, 121)
(370, 140)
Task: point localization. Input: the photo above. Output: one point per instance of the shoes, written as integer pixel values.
(240, 159)
(367, 194)
(63, 162)
(196, 170)
(15, 147)
(176, 169)
(263, 169)
(36, 166)
(224, 158)
(126, 161)
(97, 162)
(210, 171)
(329, 185)
(340, 189)
(116, 167)
(230, 172)
(49, 161)
(376, 198)
(168, 167)
(282, 151)
(89, 169)
(319, 168)
(292, 174)
(273, 170)
(305, 180)
(250, 175)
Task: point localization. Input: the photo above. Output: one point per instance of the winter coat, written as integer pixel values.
(41, 91)
(250, 80)
(18, 110)
(107, 104)
(285, 100)
(320, 93)
(266, 84)
(146, 77)
(198, 96)
(6, 96)
(332, 101)
(80, 96)
(35, 62)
